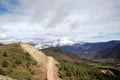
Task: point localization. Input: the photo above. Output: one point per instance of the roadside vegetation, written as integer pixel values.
(16, 63)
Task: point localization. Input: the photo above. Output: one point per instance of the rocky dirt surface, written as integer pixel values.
(5, 78)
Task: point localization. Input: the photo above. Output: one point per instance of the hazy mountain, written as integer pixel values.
(109, 53)
(82, 50)
(88, 47)
(89, 50)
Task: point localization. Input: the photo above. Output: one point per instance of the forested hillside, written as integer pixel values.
(86, 70)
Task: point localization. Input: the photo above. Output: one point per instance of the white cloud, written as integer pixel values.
(2, 36)
(62, 18)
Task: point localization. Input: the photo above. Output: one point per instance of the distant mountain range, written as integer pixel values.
(98, 50)
(93, 50)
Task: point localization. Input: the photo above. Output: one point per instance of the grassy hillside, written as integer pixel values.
(16, 63)
(85, 70)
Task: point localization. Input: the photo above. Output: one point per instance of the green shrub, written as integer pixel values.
(2, 72)
(14, 65)
(10, 71)
(5, 54)
(29, 78)
(4, 64)
(18, 61)
(28, 58)
(46, 79)
(34, 62)
(33, 72)
(28, 65)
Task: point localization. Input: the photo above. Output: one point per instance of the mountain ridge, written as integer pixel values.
(86, 50)
(109, 53)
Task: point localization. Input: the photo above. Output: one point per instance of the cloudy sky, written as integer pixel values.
(45, 20)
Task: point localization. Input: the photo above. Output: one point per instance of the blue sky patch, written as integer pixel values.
(7, 6)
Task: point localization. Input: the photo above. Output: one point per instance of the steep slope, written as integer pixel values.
(48, 62)
(37, 55)
(16, 63)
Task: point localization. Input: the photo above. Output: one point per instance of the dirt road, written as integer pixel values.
(39, 56)
(50, 69)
